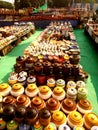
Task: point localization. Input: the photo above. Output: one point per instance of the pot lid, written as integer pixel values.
(31, 87)
(75, 116)
(17, 86)
(4, 86)
(44, 89)
(58, 90)
(58, 116)
(91, 118)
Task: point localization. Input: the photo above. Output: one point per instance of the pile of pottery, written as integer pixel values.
(9, 34)
(54, 105)
(47, 90)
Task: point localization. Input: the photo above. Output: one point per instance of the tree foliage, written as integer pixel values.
(51, 3)
(28, 3)
(4, 4)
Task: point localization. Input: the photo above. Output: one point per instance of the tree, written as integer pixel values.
(37, 3)
(7, 5)
(19, 4)
(25, 3)
(60, 3)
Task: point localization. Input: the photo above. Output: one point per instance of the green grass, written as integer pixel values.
(89, 61)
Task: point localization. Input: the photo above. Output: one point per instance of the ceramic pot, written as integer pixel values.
(68, 105)
(44, 116)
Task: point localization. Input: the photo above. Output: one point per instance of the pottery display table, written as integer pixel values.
(11, 36)
(92, 30)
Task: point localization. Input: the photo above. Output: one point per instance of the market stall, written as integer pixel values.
(48, 86)
(92, 29)
(11, 36)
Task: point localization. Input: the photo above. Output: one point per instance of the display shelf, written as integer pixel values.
(11, 36)
(91, 28)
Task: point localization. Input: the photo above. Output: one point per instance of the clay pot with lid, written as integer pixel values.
(44, 116)
(46, 67)
(29, 62)
(72, 93)
(17, 89)
(71, 84)
(75, 70)
(82, 93)
(68, 105)
(12, 79)
(59, 74)
(5, 89)
(41, 77)
(58, 93)
(8, 112)
(31, 72)
(20, 113)
(50, 73)
(60, 83)
(75, 119)
(22, 100)
(58, 118)
(31, 80)
(51, 82)
(20, 60)
(22, 80)
(9, 100)
(38, 67)
(23, 74)
(84, 106)
(37, 102)
(18, 68)
(45, 92)
(74, 59)
(31, 115)
(52, 104)
(82, 76)
(90, 120)
(80, 84)
(55, 67)
(31, 90)
(66, 68)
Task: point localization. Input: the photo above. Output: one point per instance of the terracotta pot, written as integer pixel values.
(20, 113)
(68, 105)
(44, 116)
(9, 100)
(8, 112)
(53, 104)
(38, 67)
(31, 116)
